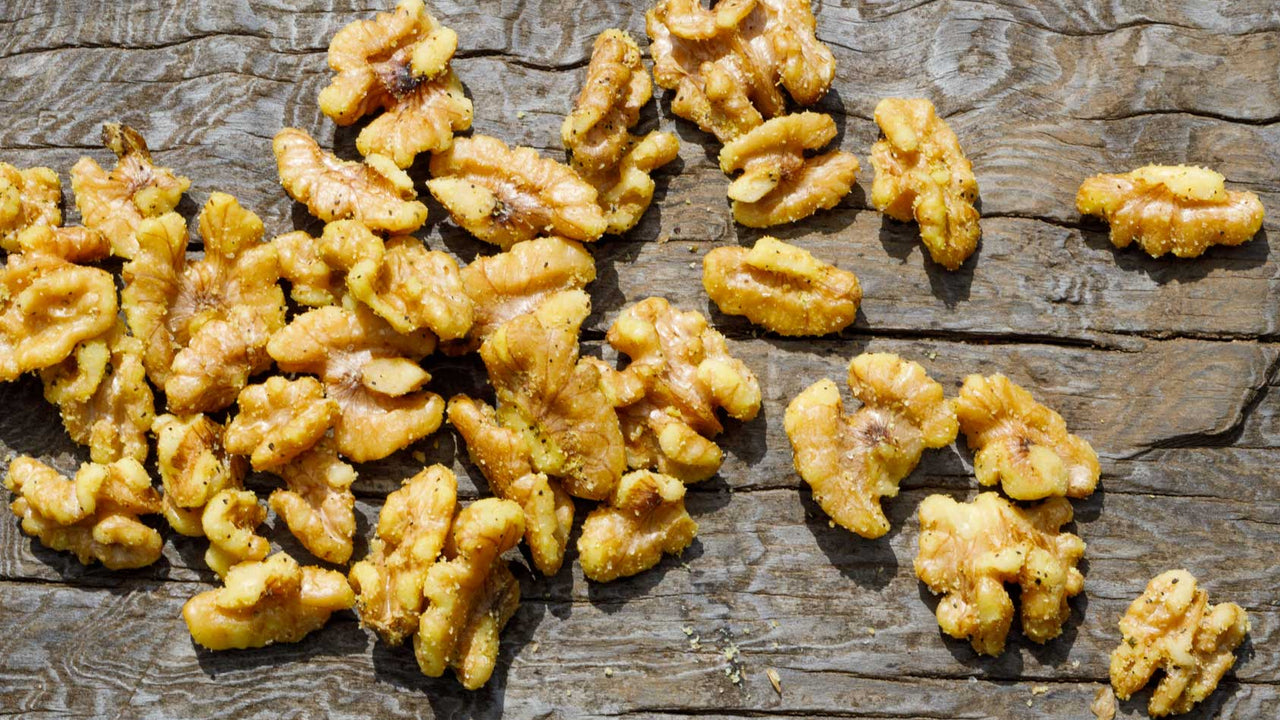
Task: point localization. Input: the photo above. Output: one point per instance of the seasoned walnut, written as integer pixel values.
(104, 397)
(729, 65)
(398, 62)
(94, 516)
(412, 528)
(781, 287)
(412, 287)
(28, 198)
(505, 195)
(644, 519)
(626, 190)
(503, 456)
(470, 593)
(229, 521)
(115, 203)
(265, 602)
(1180, 209)
(48, 306)
(779, 184)
(279, 420)
(312, 282)
(1022, 444)
(922, 174)
(375, 192)
(969, 550)
(554, 399)
(685, 371)
(851, 461)
(194, 466)
(1172, 627)
(372, 373)
(73, 244)
(318, 505)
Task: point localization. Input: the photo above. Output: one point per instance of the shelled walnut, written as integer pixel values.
(1180, 209)
(922, 174)
(115, 203)
(194, 466)
(852, 461)
(781, 287)
(74, 244)
(412, 288)
(644, 519)
(968, 551)
(229, 520)
(28, 198)
(279, 420)
(317, 503)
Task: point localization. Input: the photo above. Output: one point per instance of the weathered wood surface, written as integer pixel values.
(1169, 368)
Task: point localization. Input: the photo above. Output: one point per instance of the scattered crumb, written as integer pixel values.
(419, 456)
(1029, 703)
(687, 201)
(688, 631)
(746, 631)
(1104, 703)
(973, 680)
(831, 524)
(774, 680)
(695, 643)
(1075, 664)
(1039, 689)
(731, 653)
(692, 265)
(520, 115)
(533, 646)
(608, 672)
(693, 248)
(773, 623)
(775, 645)
(664, 239)
(932, 354)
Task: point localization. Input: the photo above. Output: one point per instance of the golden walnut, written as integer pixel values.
(412, 527)
(505, 195)
(279, 420)
(1172, 627)
(317, 503)
(781, 287)
(471, 594)
(779, 183)
(969, 550)
(1180, 209)
(922, 174)
(398, 62)
(229, 521)
(1022, 444)
(115, 203)
(94, 516)
(265, 602)
(317, 268)
(194, 466)
(73, 244)
(644, 519)
(412, 287)
(28, 198)
(852, 461)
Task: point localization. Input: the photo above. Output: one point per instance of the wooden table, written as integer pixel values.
(1168, 367)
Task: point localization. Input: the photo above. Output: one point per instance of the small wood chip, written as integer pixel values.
(774, 680)
(1104, 703)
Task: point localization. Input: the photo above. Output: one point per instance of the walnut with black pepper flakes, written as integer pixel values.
(194, 466)
(74, 244)
(28, 198)
(317, 503)
(279, 420)
(229, 521)
(645, 518)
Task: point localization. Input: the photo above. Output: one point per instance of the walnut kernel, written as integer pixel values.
(317, 504)
(28, 198)
(229, 520)
(644, 519)
(279, 420)
(194, 466)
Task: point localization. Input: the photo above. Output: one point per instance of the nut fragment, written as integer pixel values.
(229, 521)
(1172, 627)
(781, 287)
(375, 192)
(279, 420)
(412, 287)
(969, 550)
(412, 528)
(312, 281)
(1022, 444)
(779, 184)
(194, 467)
(644, 519)
(503, 456)
(922, 174)
(505, 195)
(265, 602)
(852, 461)
(94, 516)
(1180, 209)
(115, 203)
(73, 244)
(28, 198)
(318, 505)
(685, 372)
(471, 595)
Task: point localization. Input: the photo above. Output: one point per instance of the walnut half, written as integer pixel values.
(194, 467)
(28, 198)
(644, 519)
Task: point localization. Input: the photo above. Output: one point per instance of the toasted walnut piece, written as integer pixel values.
(312, 282)
(505, 195)
(1022, 444)
(375, 192)
(779, 184)
(114, 203)
(1171, 208)
(1172, 627)
(471, 595)
(152, 283)
(73, 244)
(644, 519)
(94, 516)
(372, 373)
(851, 461)
(412, 287)
(617, 86)
(194, 466)
(28, 198)
(279, 420)
(229, 521)
(969, 550)
(412, 528)
(47, 307)
(504, 458)
(265, 602)
(318, 505)
(922, 174)
(687, 373)
(781, 287)
(626, 190)
(552, 398)
(104, 397)
(728, 65)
